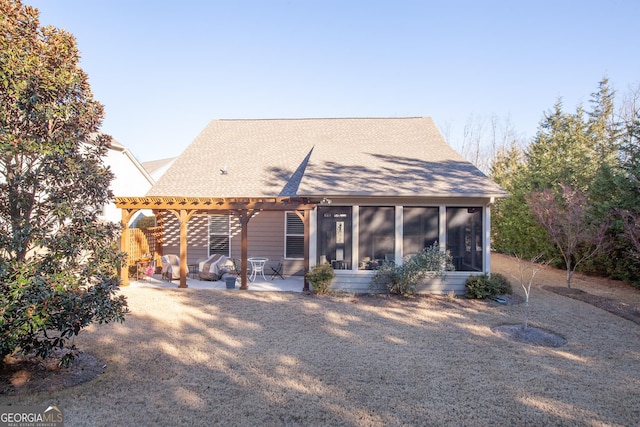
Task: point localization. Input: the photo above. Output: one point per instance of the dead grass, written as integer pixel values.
(202, 357)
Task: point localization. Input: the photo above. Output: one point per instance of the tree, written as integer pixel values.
(526, 273)
(58, 262)
(514, 228)
(567, 219)
(628, 182)
(562, 151)
(631, 224)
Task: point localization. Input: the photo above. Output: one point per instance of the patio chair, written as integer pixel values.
(170, 267)
(211, 268)
(236, 266)
(276, 271)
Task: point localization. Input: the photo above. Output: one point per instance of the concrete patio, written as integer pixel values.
(288, 284)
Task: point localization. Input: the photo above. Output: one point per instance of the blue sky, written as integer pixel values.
(164, 69)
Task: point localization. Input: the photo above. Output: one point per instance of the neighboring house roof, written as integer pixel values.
(323, 157)
(156, 168)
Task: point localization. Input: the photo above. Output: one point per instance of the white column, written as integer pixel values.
(313, 237)
(442, 224)
(355, 237)
(486, 249)
(398, 237)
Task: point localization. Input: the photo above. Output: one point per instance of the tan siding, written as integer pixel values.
(266, 236)
(170, 234)
(198, 239)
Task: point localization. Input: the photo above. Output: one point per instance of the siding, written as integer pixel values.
(360, 282)
(266, 239)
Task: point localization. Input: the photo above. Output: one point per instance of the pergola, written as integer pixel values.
(184, 208)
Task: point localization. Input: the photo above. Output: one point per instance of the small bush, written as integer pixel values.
(320, 278)
(501, 283)
(485, 286)
(403, 279)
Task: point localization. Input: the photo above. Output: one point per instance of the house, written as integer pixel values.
(130, 178)
(354, 192)
(156, 168)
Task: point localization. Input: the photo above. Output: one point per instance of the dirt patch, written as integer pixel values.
(619, 308)
(28, 374)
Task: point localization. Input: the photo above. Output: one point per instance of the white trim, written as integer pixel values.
(486, 250)
(284, 255)
(442, 227)
(208, 216)
(139, 166)
(399, 237)
(313, 237)
(355, 231)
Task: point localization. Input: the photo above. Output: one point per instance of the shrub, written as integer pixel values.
(485, 286)
(320, 278)
(403, 279)
(501, 283)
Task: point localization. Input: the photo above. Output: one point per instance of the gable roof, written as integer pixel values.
(323, 157)
(156, 168)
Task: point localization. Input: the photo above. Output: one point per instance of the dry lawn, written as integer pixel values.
(233, 358)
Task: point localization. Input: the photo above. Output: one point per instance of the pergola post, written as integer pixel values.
(184, 228)
(124, 245)
(304, 216)
(184, 215)
(244, 249)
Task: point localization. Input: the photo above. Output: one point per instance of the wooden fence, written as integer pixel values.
(144, 241)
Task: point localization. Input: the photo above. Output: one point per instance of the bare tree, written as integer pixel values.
(527, 271)
(566, 218)
(482, 138)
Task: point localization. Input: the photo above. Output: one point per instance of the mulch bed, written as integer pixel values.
(530, 335)
(29, 374)
(619, 308)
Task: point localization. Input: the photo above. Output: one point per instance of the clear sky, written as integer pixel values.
(164, 69)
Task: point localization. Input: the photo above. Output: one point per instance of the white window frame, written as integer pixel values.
(287, 234)
(209, 234)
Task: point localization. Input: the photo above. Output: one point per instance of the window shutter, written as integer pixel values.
(294, 246)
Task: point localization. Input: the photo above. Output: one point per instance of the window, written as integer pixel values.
(420, 228)
(334, 236)
(294, 236)
(464, 237)
(219, 238)
(376, 242)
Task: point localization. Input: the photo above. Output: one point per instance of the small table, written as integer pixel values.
(257, 266)
(142, 265)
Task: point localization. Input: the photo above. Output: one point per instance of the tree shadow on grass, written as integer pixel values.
(202, 357)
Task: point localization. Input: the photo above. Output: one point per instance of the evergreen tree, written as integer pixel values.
(514, 228)
(562, 151)
(58, 262)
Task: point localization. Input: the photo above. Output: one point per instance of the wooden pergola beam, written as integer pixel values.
(214, 203)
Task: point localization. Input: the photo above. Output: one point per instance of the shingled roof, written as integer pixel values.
(323, 157)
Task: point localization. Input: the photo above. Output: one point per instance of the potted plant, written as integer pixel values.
(320, 277)
(230, 281)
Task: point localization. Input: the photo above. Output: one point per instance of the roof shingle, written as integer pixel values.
(327, 157)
